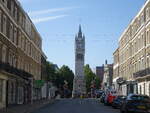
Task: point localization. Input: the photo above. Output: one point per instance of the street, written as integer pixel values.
(77, 106)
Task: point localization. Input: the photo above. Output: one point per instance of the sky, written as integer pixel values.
(102, 23)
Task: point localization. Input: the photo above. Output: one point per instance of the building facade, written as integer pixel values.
(134, 54)
(20, 54)
(108, 75)
(100, 72)
(79, 85)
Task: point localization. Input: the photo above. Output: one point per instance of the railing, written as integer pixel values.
(141, 73)
(12, 70)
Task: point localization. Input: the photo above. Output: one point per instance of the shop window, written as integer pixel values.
(144, 89)
(140, 89)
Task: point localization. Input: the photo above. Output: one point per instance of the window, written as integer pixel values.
(1, 90)
(14, 61)
(12, 7)
(19, 39)
(144, 89)
(23, 22)
(22, 45)
(25, 44)
(4, 53)
(5, 2)
(18, 62)
(140, 89)
(148, 62)
(138, 97)
(143, 66)
(9, 4)
(15, 13)
(142, 18)
(4, 24)
(10, 58)
(20, 18)
(15, 36)
(26, 47)
(147, 13)
(11, 32)
(147, 37)
(142, 40)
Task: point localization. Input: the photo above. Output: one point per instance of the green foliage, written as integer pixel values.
(58, 76)
(51, 71)
(66, 73)
(90, 77)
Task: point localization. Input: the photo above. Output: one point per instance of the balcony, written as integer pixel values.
(10, 69)
(142, 73)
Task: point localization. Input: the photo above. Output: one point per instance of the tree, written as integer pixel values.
(51, 71)
(67, 74)
(59, 76)
(90, 77)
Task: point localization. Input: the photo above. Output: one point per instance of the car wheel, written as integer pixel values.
(121, 110)
(114, 107)
(105, 103)
(126, 111)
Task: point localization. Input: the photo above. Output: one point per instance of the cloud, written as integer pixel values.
(34, 13)
(39, 20)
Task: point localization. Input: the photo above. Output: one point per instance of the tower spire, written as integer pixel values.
(80, 31)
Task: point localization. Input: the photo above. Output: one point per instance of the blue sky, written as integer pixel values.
(102, 22)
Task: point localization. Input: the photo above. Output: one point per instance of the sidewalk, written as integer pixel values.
(27, 108)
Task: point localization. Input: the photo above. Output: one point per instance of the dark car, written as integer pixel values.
(118, 101)
(135, 103)
(102, 98)
(99, 93)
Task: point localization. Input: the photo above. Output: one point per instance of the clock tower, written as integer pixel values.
(79, 86)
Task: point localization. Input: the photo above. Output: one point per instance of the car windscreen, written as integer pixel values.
(142, 98)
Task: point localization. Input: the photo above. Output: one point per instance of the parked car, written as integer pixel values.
(102, 98)
(110, 96)
(117, 102)
(135, 103)
(99, 93)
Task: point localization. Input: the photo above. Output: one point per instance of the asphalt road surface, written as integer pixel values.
(77, 106)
